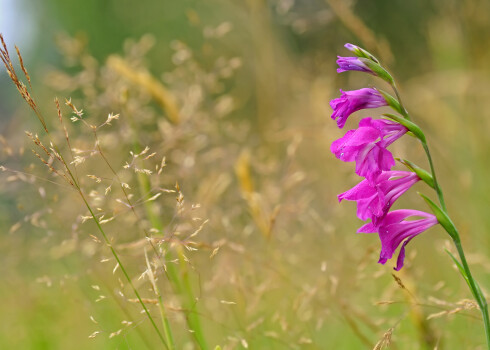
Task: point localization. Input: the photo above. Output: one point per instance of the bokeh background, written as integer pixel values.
(278, 264)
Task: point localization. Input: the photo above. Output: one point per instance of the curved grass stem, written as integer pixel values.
(179, 279)
(475, 289)
(72, 178)
(177, 275)
(123, 269)
(161, 306)
(74, 182)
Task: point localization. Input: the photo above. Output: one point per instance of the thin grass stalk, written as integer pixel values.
(107, 241)
(27, 96)
(170, 270)
(124, 310)
(123, 269)
(181, 285)
(161, 306)
(166, 324)
(109, 244)
(167, 330)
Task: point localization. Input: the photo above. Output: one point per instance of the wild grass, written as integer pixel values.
(196, 207)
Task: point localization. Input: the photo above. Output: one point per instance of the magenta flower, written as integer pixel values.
(351, 47)
(352, 63)
(374, 199)
(352, 101)
(367, 146)
(394, 229)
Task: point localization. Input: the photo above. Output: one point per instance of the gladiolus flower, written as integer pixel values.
(374, 199)
(394, 229)
(367, 146)
(352, 101)
(352, 63)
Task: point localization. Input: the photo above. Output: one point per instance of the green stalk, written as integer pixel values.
(438, 189)
(182, 287)
(123, 269)
(166, 325)
(74, 180)
(474, 288)
(191, 304)
(454, 233)
(398, 97)
(167, 331)
(77, 187)
(181, 284)
(161, 306)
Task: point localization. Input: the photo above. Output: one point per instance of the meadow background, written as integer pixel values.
(271, 256)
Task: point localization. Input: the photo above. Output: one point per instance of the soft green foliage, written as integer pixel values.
(234, 95)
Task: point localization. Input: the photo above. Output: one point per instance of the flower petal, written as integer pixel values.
(352, 64)
(371, 161)
(394, 229)
(352, 101)
(368, 228)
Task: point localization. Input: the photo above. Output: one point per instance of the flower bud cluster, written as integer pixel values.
(367, 146)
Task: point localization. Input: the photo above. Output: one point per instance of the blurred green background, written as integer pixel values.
(252, 80)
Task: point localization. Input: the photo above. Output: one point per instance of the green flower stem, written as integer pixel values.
(475, 289)
(404, 111)
(454, 233)
(438, 189)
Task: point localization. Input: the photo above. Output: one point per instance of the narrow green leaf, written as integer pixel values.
(424, 175)
(391, 101)
(460, 267)
(411, 126)
(378, 70)
(442, 217)
(360, 52)
(476, 294)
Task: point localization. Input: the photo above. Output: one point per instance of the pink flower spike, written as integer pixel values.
(352, 101)
(367, 146)
(394, 229)
(374, 199)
